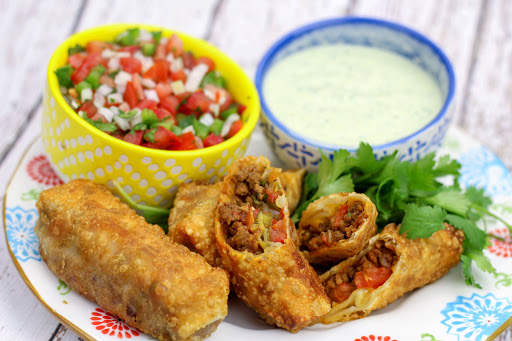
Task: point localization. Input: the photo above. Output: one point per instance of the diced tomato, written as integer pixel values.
(179, 75)
(165, 138)
(96, 46)
(249, 218)
(76, 60)
(131, 65)
(170, 103)
(372, 277)
(207, 61)
(163, 90)
(340, 215)
(159, 52)
(174, 45)
(241, 109)
(278, 232)
(197, 103)
(147, 104)
(235, 128)
(105, 79)
(130, 95)
(159, 72)
(187, 142)
(341, 292)
(272, 196)
(89, 108)
(135, 138)
(97, 117)
(138, 86)
(222, 96)
(89, 63)
(162, 113)
(189, 61)
(131, 49)
(212, 140)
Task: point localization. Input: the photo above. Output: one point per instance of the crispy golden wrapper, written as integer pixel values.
(420, 262)
(103, 250)
(318, 217)
(191, 219)
(277, 283)
(292, 183)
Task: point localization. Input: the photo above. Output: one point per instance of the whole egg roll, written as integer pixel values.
(292, 183)
(388, 267)
(336, 227)
(253, 231)
(103, 250)
(191, 219)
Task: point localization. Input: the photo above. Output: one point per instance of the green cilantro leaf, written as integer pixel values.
(468, 271)
(75, 49)
(474, 236)
(446, 166)
(422, 222)
(451, 199)
(64, 76)
(106, 127)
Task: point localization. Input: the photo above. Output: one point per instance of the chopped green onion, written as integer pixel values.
(129, 114)
(149, 117)
(82, 85)
(148, 49)
(214, 78)
(157, 35)
(75, 49)
(64, 76)
(94, 76)
(200, 129)
(233, 109)
(128, 37)
(106, 127)
(185, 120)
(216, 126)
(138, 126)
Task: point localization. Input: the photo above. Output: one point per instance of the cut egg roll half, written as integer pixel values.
(388, 267)
(253, 231)
(292, 182)
(336, 227)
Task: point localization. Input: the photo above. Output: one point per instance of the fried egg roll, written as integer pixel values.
(253, 231)
(336, 227)
(292, 183)
(103, 250)
(388, 267)
(191, 219)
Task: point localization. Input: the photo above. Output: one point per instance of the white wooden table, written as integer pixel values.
(475, 34)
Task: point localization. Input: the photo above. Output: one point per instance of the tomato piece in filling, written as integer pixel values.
(372, 277)
(341, 292)
(278, 232)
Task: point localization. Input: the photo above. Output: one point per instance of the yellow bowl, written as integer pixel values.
(149, 176)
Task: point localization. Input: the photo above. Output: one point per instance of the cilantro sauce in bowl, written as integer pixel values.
(345, 94)
(335, 83)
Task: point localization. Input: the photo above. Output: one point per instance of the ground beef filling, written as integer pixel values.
(346, 221)
(371, 271)
(237, 217)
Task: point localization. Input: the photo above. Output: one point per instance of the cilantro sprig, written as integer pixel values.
(409, 193)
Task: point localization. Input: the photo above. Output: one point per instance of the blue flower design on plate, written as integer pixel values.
(475, 318)
(22, 239)
(483, 169)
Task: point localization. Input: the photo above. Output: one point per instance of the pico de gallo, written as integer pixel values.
(145, 89)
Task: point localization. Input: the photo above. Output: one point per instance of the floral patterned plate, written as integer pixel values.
(445, 310)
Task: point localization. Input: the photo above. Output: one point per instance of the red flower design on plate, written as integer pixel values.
(501, 248)
(40, 170)
(374, 338)
(110, 325)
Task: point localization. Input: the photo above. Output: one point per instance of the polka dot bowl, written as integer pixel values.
(78, 150)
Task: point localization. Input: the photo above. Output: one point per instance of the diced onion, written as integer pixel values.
(152, 95)
(122, 123)
(106, 112)
(177, 64)
(228, 123)
(144, 35)
(206, 119)
(107, 53)
(136, 119)
(114, 98)
(113, 64)
(189, 128)
(195, 77)
(148, 83)
(99, 100)
(86, 94)
(215, 109)
(104, 89)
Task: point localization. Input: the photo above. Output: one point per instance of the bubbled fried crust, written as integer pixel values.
(279, 284)
(292, 183)
(103, 250)
(191, 219)
(420, 262)
(321, 211)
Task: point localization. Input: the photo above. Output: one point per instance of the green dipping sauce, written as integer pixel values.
(344, 94)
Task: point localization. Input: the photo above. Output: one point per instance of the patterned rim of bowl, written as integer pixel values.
(252, 109)
(267, 59)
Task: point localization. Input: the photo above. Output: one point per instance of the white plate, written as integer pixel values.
(445, 310)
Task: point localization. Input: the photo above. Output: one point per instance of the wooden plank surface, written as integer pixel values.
(475, 35)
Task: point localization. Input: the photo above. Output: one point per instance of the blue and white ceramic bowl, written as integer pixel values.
(295, 150)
